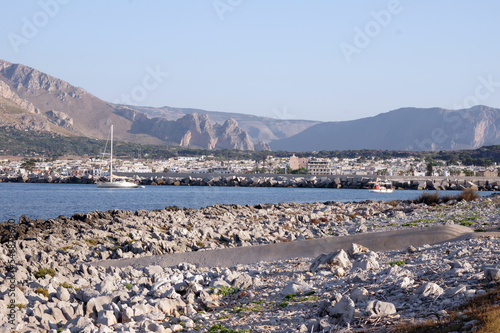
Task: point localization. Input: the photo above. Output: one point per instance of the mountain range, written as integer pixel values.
(403, 129)
(34, 101)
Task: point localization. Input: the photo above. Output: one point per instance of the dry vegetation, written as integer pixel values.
(434, 198)
(481, 315)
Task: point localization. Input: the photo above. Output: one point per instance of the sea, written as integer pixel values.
(36, 200)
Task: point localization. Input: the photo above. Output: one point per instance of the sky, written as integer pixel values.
(320, 60)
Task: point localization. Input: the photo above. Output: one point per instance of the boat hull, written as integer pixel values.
(388, 190)
(116, 185)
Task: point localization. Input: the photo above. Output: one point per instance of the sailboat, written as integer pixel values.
(114, 183)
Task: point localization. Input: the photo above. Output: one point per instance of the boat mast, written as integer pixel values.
(111, 157)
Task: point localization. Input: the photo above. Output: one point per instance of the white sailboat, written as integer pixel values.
(114, 183)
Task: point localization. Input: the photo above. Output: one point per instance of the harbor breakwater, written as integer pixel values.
(274, 180)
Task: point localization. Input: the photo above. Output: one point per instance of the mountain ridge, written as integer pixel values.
(33, 100)
(403, 129)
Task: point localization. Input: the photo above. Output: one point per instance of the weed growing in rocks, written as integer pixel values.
(218, 328)
(41, 291)
(44, 271)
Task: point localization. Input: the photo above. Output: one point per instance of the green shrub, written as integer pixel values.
(66, 285)
(44, 271)
(42, 291)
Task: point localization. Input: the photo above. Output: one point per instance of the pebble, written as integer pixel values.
(333, 291)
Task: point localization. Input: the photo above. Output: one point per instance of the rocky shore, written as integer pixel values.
(60, 286)
(257, 180)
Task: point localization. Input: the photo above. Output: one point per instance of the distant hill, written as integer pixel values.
(402, 129)
(260, 129)
(34, 101)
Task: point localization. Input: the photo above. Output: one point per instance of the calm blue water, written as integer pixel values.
(51, 200)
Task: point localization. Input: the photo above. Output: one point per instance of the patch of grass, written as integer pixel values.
(42, 272)
(66, 285)
(66, 248)
(391, 224)
(308, 298)
(397, 262)
(225, 291)
(482, 308)
(221, 329)
(42, 291)
(424, 220)
(411, 224)
(20, 306)
(91, 241)
(258, 302)
(298, 298)
(128, 286)
(246, 308)
(224, 317)
(283, 304)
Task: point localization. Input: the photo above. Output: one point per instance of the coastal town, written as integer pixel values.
(80, 166)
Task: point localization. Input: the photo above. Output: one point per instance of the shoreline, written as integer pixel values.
(273, 180)
(83, 295)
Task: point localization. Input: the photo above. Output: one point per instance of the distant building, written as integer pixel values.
(319, 167)
(298, 162)
(486, 173)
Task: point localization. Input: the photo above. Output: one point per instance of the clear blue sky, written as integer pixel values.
(280, 58)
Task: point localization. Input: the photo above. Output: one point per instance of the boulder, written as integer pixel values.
(356, 249)
(368, 261)
(106, 317)
(243, 281)
(334, 259)
(379, 308)
(429, 289)
(296, 287)
(343, 309)
(359, 294)
(63, 294)
(492, 274)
